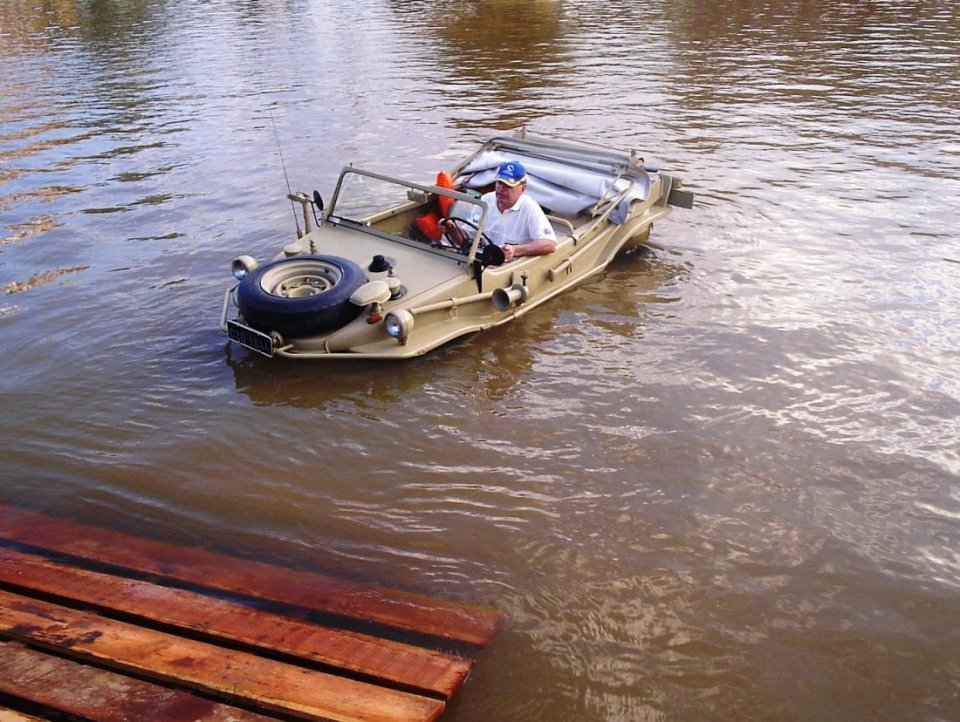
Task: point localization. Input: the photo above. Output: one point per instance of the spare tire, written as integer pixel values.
(300, 296)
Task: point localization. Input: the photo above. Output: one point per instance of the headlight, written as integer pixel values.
(242, 266)
(399, 324)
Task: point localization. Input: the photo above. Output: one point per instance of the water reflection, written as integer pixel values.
(277, 382)
(499, 62)
(492, 35)
(100, 24)
(487, 364)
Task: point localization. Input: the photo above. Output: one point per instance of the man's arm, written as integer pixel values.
(536, 247)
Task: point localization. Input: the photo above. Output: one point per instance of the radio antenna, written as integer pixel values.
(287, 179)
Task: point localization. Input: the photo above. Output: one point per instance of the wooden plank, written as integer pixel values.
(300, 692)
(402, 610)
(413, 668)
(102, 696)
(9, 715)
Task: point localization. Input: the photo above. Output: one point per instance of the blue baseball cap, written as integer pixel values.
(511, 173)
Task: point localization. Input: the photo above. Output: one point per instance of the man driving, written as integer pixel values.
(515, 221)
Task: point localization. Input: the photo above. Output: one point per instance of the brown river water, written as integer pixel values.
(718, 483)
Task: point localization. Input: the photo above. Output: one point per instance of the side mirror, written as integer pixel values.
(317, 201)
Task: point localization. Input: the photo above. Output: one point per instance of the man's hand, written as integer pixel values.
(451, 230)
(539, 247)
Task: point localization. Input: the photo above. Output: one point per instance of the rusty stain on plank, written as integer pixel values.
(103, 696)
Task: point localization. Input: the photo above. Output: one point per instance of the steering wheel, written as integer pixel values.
(464, 247)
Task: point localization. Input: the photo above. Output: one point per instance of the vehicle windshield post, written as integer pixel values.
(478, 235)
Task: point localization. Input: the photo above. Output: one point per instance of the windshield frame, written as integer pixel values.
(417, 194)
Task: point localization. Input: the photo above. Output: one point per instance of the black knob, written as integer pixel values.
(379, 264)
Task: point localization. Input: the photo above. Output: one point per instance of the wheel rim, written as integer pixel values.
(300, 279)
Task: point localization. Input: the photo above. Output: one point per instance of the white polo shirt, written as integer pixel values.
(525, 221)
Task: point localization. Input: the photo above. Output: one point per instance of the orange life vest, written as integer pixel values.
(445, 181)
(428, 223)
(429, 226)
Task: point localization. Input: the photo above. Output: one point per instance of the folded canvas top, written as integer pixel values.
(559, 188)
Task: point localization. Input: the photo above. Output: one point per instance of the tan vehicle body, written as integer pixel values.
(431, 293)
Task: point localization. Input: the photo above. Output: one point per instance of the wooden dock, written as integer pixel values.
(108, 627)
